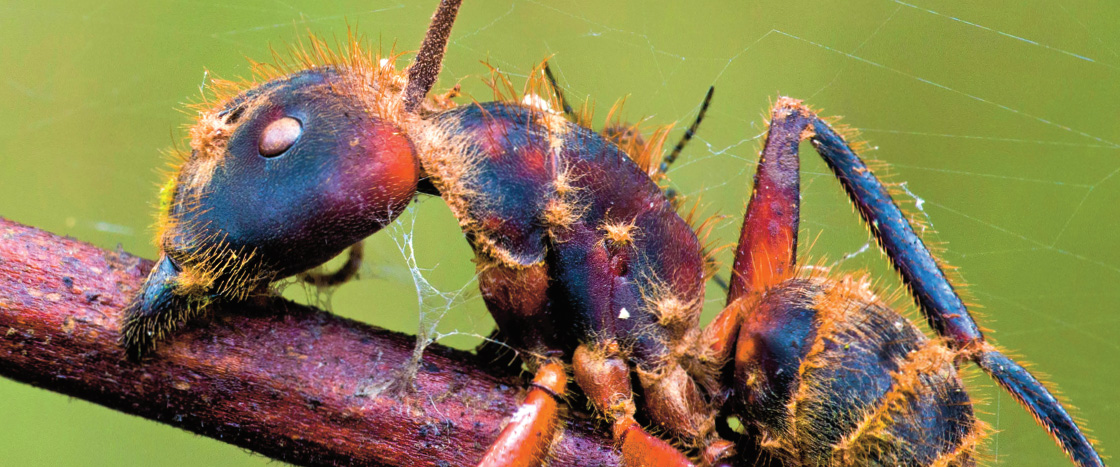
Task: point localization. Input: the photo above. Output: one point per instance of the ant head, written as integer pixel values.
(280, 179)
(283, 177)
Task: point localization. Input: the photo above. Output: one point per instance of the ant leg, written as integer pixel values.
(604, 376)
(921, 274)
(689, 133)
(348, 271)
(497, 354)
(669, 159)
(767, 251)
(767, 254)
(673, 401)
(935, 296)
(517, 299)
(525, 440)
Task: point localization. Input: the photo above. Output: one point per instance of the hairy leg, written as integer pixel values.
(604, 375)
(767, 251)
(937, 300)
(347, 271)
(525, 441)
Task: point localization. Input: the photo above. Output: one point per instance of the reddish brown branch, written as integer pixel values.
(286, 381)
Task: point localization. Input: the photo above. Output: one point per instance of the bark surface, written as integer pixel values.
(290, 382)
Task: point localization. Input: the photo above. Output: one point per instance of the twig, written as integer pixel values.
(278, 378)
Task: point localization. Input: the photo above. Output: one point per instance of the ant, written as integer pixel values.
(585, 265)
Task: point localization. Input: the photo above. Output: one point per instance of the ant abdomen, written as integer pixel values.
(829, 375)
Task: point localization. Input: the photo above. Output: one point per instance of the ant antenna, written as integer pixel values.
(425, 67)
(672, 157)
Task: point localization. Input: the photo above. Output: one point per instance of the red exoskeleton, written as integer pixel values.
(586, 266)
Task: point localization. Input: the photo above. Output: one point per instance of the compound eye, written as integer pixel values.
(280, 135)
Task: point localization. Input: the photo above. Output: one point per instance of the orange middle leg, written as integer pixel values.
(605, 377)
(524, 442)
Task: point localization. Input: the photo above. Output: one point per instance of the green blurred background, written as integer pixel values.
(1000, 116)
